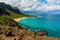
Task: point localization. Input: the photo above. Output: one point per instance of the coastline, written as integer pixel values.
(43, 37)
(17, 19)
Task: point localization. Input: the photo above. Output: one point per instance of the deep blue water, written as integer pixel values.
(49, 23)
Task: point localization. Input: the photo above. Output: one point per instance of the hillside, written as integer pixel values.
(7, 13)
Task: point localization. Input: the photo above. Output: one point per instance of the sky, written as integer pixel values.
(34, 5)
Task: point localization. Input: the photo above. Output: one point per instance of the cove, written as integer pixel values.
(49, 23)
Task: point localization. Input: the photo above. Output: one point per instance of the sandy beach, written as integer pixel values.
(17, 19)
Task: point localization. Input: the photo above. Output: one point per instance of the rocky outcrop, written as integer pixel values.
(41, 33)
(15, 33)
(12, 23)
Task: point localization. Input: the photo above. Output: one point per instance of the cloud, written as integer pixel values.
(58, 3)
(22, 4)
(51, 5)
(41, 6)
(28, 5)
(11, 2)
(34, 5)
(48, 8)
(51, 2)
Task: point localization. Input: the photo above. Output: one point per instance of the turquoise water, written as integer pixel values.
(49, 23)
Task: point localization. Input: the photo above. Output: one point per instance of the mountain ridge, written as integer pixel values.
(9, 7)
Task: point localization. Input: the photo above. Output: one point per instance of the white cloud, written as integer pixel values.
(51, 5)
(28, 5)
(35, 5)
(48, 8)
(58, 3)
(22, 4)
(51, 2)
(11, 2)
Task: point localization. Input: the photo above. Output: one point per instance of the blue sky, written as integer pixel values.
(43, 0)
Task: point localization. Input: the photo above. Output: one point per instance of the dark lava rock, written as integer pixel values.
(41, 33)
(11, 23)
(8, 33)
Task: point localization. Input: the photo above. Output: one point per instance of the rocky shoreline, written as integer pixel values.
(16, 32)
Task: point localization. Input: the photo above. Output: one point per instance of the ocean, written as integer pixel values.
(47, 22)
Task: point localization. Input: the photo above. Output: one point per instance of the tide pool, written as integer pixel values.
(49, 23)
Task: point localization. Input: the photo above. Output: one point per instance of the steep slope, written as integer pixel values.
(9, 7)
(7, 12)
(2, 10)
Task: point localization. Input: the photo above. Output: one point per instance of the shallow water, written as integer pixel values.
(49, 23)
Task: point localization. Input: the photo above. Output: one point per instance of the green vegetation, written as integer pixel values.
(12, 16)
(6, 13)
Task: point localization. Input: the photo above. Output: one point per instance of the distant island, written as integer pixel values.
(11, 30)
